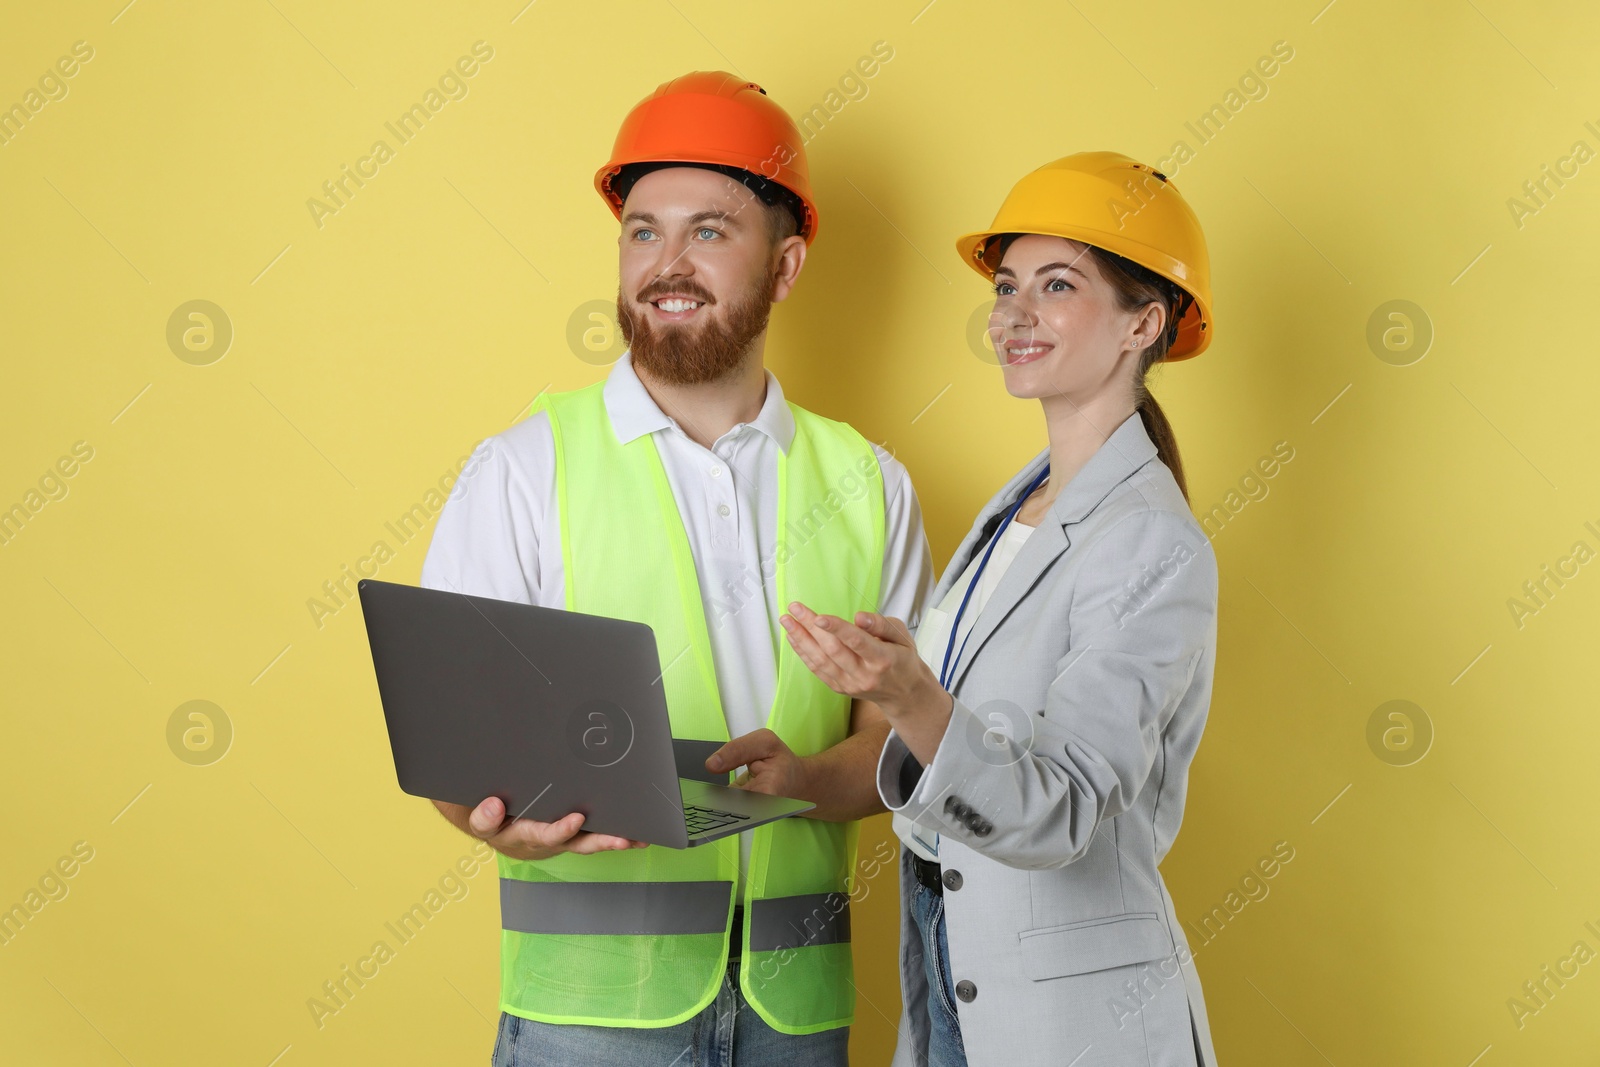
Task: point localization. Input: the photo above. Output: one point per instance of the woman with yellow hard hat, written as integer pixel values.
(1047, 711)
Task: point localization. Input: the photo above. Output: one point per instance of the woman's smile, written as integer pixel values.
(1026, 351)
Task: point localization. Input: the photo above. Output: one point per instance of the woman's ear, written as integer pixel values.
(1148, 329)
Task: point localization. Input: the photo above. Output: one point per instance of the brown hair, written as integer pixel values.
(1136, 286)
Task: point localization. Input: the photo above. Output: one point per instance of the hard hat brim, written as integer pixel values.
(607, 174)
(1115, 203)
(1194, 329)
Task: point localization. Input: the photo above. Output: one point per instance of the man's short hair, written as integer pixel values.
(786, 212)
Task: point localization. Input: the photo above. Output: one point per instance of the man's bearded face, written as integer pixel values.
(697, 274)
(703, 342)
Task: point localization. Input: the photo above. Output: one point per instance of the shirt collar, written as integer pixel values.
(634, 412)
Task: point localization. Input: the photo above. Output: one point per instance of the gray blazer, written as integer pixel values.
(1059, 785)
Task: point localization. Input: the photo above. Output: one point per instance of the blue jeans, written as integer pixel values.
(945, 1048)
(728, 1033)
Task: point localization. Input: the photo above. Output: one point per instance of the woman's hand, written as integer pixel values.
(875, 659)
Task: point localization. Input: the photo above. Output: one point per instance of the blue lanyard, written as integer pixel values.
(946, 672)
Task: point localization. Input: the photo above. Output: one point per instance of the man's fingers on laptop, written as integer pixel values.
(487, 817)
(530, 839)
(772, 765)
(758, 744)
(584, 844)
(558, 832)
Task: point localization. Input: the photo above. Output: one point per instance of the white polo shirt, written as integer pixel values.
(499, 534)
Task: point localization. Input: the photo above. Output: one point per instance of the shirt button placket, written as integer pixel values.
(723, 491)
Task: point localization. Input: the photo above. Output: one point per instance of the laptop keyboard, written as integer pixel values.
(699, 820)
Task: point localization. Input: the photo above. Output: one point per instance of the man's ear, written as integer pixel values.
(788, 258)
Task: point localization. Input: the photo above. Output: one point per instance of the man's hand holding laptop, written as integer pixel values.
(529, 839)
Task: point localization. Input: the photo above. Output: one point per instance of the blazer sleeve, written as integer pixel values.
(1032, 794)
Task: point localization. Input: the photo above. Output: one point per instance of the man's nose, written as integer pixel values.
(673, 259)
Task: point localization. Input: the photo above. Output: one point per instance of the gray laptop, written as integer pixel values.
(551, 711)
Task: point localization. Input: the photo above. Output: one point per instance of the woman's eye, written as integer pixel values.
(1062, 282)
(1003, 289)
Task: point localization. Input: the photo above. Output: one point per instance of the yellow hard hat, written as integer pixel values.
(1116, 203)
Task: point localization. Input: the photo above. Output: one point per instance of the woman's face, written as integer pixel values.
(1056, 326)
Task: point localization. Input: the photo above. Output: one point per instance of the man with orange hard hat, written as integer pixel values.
(685, 492)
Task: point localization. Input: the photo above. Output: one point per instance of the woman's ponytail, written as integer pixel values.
(1136, 287)
(1160, 431)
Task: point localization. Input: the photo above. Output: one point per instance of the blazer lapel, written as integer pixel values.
(1124, 452)
(970, 544)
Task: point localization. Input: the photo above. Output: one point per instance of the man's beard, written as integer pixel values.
(681, 354)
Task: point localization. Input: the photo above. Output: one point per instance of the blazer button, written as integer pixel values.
(952, 879)
(966, 992)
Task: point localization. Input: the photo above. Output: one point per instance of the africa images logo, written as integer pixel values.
(599, 733)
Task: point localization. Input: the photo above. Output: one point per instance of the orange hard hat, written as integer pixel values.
(713, 118)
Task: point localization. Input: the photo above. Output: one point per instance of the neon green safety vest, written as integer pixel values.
(626, 555)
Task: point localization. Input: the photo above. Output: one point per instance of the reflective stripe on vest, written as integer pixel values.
(655, 908)
(665, 908)
(639, 937)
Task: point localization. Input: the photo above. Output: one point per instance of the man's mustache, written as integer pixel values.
(656, 290)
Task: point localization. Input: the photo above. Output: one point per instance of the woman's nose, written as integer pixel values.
(1015, 315)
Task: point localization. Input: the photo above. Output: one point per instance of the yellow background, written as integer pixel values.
(370, 354)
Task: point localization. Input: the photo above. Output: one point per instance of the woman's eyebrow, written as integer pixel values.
(1048, 267)
(1061, 267)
